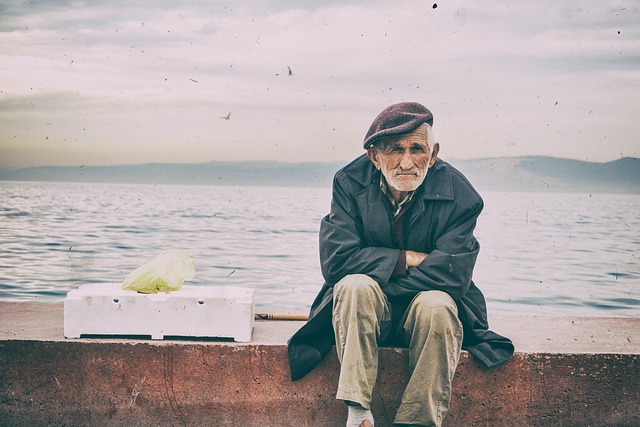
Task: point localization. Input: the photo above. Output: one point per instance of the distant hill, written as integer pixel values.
(538, 173)
(531, 173)
(211, 173)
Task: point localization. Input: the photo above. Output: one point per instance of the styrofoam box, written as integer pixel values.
(192, 311)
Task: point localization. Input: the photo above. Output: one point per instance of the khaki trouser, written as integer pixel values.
(362, 319)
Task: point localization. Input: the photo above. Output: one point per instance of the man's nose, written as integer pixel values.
(407, 161)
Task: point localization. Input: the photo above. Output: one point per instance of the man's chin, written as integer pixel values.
(405, 183)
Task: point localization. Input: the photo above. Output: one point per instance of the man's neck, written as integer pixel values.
(397, 199)
(398, 195)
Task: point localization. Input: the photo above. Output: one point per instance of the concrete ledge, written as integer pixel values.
(567, 372)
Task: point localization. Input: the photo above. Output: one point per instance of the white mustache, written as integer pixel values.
(412, 171)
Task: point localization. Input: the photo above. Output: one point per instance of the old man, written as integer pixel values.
(397, 254)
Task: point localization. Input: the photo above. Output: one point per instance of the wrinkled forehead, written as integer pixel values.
(418, 135)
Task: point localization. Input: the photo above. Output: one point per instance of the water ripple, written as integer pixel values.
(541, 253)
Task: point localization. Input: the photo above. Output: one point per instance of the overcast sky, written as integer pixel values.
(119, 82)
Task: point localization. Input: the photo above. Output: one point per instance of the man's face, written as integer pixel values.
(405, 160)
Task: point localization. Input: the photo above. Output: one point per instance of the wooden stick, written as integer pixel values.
(280, 316)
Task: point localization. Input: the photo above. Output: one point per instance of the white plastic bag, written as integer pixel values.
(165, 273)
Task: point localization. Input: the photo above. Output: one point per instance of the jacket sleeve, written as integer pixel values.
(449, 266)
(343, 250)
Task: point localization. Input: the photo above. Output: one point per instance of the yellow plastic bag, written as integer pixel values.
(165, 273)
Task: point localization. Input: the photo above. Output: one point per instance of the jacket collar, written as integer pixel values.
(436, 186)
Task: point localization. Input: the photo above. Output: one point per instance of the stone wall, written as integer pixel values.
(48, 380)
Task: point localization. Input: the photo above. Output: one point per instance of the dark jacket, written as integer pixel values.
(355, 238)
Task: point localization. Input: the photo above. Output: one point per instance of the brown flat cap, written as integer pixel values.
(396, 120)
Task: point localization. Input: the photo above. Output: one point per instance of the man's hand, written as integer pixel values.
(415, 258)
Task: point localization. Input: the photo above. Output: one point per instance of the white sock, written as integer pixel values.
(357, 414)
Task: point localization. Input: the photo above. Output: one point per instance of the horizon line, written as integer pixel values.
(449, 160)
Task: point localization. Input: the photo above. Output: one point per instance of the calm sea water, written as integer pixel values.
(546, 254)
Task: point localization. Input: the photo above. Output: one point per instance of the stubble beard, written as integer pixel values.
(404, 180)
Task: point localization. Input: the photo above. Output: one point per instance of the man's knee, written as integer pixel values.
(437, 306)
(359, 284)
(435, 299)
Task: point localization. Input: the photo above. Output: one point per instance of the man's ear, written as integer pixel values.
(373, 156)
(434, 154)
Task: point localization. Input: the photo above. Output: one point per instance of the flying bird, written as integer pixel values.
(290, 72)
(227, 117)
